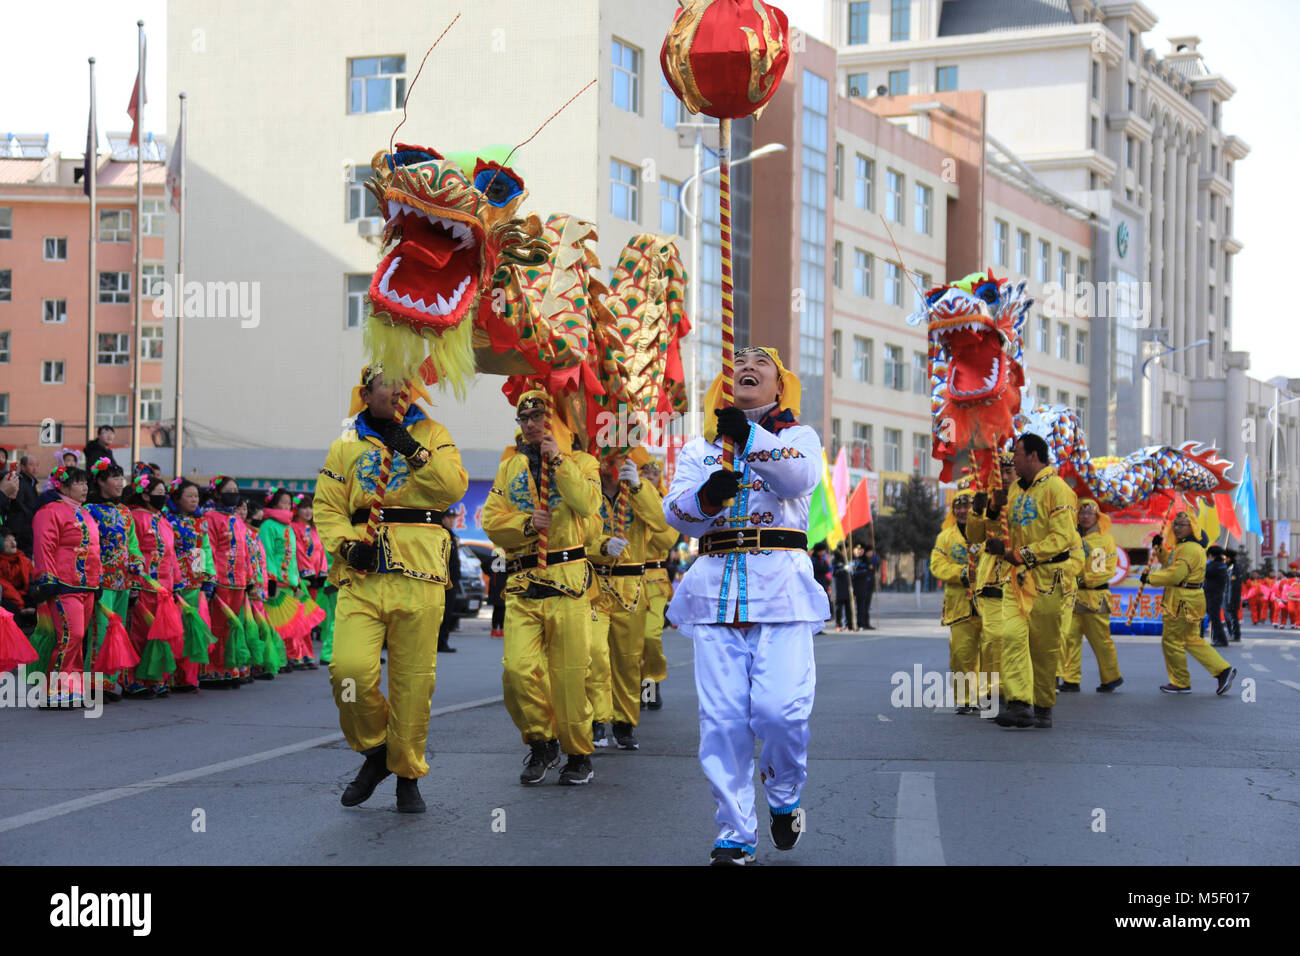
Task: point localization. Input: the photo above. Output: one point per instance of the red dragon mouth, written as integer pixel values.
(431, 278)
(978, 364)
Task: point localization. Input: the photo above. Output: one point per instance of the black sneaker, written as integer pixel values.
(1015, 714)
(730, 856)
(657, 700)
(1225, 680)
(1109, 686)
(542, 756)
(408, 796)
(598, 738)
(1043, 717)
(963, 709)
(577, 771)
(1067, 687)
(625, 737)
(787, 828)
(372, 772)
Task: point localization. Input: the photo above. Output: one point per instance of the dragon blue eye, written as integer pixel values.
(498, 184)
(988, 291)
(411, 156)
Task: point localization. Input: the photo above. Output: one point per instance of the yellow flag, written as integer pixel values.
(1207, 516)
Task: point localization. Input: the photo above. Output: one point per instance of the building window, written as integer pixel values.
(895, 370)
(6, 285)
(1214, 113)
(151, 342)
(52, 372)
(56, 249)
(7, 219)
(115, 225)
(52, 437)
(112, 410)
(1093, 133)
(900, 20)
(837, 264)
(921, 445)
(360, 202)
(54, 311)
(1000, 233)
(858, 85)
(1044, 260)
(860, 450)
(1022, 252)
(1044, 395)
(893, 284)
(114, 348)
(898, 83)
(1130, 152)
(859, 15)
(4, 408)
(1080, 347)
(1130, 92)
(839, 170)
(1084, 268)
(114, 288)
(920, 374)
(150, 404)
(921, 209)
(1214, 208)
(1081, 407)
(152, 279)
(626, 76)
(835, 438)
(153, 217)
(836, 345)
(864, 183)
(1062, 340)
(893, 449)
(1132, 45)
(354, 306)
(1210, 303)
(671, 110)
(861, 359)
(1044, 334)
(4, 348)
(1096, 80)
(864, 263)
(1063, 398)
(670, 210)
(919, 288)
(945, 78)
(814, 240)
(894, 196)
(376, 83)
(624, 185)
(1062, 266)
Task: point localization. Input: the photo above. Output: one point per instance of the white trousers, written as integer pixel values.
(753, 683)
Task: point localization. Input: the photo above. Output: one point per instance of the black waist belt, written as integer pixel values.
(753, 539)
(619, 570)
(1190, 587)
(655, 565)
(399, 516)
(1097, 587)
(552, 558)
(1057, 558)
(990, 591)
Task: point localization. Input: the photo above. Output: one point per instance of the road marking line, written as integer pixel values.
(1289, 683)
(1288, 657)
(1259, 667)
(916, 822)
(130, 790)
(1247, 654)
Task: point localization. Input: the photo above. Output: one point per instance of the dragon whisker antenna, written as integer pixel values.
(910, 273)
(406, 99)
(540, 128)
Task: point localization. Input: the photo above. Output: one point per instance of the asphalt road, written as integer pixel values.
(253, 776)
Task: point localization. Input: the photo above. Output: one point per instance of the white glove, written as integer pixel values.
(614, 546)
(629, 474)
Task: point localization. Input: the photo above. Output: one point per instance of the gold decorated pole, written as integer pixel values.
(728, 297)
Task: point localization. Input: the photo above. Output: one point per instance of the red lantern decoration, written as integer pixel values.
(725, 58)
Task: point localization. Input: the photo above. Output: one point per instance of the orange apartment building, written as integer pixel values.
(44, 294)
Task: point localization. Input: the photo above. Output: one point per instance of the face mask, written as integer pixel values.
(254, 522)
(229, 499)
(157, 501)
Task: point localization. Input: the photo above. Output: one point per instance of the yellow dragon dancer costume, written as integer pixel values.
(1091, 617)
(950, 563)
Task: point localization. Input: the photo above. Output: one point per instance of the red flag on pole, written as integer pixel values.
(136, 100)
(1227, 515)
(858, 511)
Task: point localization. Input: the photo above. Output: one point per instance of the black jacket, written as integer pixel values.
(21, 512)
(1216, 582)
(95, 451)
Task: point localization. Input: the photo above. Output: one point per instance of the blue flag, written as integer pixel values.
(1243, 499)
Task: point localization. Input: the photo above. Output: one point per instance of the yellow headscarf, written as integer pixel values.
(790, 397)
(559, 428)
(369, 374)
(1103, 519)
(1196, 527)
(965, 490)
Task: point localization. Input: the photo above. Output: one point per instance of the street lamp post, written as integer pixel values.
(693, 214)
(1155, 382)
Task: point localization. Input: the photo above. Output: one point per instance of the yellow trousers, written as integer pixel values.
(544, 667)
(614, 678)
(1096, 627)
(1031, 647)
(964, 658)
(1182, 637)
(654, 666)
(405, 613)
(991, 613)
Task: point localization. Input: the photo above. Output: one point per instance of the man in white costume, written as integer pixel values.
(750, 602)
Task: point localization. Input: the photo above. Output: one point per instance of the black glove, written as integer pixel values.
(965, 578)
(399, 439)
(1143, 576)
(980, 502)
(272, 586)
(995, 546)
(720, 486)
(733, 424)
(360, 555)
(1157, 541)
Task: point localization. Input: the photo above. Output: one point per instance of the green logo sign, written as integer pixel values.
(1121, 239)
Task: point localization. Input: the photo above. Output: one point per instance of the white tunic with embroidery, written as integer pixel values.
(780, 472)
